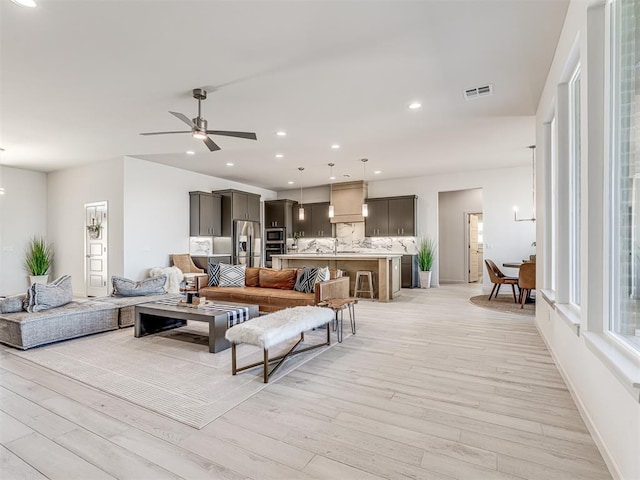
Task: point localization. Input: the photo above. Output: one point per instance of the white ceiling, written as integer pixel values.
(81, 79)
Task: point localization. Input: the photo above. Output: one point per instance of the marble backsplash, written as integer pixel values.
(350, 239)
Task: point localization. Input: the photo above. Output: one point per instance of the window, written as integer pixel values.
(553, 202)
(575, 178)
(624, 174)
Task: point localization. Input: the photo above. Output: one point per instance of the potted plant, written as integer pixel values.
(38, 259)
(294, 245)
(426, 255)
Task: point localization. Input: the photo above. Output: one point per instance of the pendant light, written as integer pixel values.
(533, 190)
(365, 207)
(331, 178)
(301, 209)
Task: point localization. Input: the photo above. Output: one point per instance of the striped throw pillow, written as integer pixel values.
(306, 281)
(213, 269)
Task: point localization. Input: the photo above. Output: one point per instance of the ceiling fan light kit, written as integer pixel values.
(199, 125)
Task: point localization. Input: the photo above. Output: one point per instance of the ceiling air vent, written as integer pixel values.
(476, 92)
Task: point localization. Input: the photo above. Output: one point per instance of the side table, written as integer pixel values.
(338, 305)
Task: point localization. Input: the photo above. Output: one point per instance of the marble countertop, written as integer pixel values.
(344, 256)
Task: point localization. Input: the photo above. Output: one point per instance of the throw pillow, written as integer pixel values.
(12, 304)
(282, 279)
(252, 277)
(42, 296)
(232, 275)
(214, 274)
(130, 288)
(306, 280)
(323, 275)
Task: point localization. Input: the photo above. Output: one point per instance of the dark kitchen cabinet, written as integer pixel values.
(237, 205)
(316, 221)
(245, 206)
(392, 216)
(409, 271)
(320, 221)
(377, 222)
(303, 227)
(204, 214)
(279, 214)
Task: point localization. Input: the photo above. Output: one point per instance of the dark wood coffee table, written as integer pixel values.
(154, 317)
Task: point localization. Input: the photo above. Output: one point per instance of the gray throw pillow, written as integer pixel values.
(231, 275)
(41, 296)
(129, 288)
(12, 304)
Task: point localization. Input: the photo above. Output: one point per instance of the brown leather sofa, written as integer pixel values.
(272, 290)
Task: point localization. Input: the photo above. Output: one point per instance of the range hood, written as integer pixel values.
(347, 199)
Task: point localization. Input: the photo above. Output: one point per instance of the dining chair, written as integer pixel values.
(526, 281)
(498, 279)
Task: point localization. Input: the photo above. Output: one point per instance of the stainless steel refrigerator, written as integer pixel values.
(247, 244)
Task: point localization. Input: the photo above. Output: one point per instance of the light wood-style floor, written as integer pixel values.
(430, 387)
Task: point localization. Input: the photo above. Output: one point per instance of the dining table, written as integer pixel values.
(512, 264)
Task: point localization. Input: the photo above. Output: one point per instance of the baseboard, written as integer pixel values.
(593, 431)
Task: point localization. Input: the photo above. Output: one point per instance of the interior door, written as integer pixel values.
(96, 249)
(473, 248)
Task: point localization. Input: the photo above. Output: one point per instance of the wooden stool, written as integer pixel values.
(338, 305)
(360, 275)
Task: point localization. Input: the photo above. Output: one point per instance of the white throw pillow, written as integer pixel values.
(231, 275)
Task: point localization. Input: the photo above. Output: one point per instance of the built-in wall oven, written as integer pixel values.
(274, 235)
(275, 244)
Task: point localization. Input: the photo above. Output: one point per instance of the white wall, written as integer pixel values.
(156, 213)
(452, 210)
(68, 191)
(609, 407)
(504, 239)
(148, 213)
(23, 214)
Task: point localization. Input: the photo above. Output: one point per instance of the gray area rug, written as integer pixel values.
(503, 303)
(171, 373)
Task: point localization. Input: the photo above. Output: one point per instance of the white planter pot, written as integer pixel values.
(425, 279)
(38, 279)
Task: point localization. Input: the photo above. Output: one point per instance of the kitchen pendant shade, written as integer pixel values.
(365, 210)
(332, 211)
(365, 207)
(301, 213)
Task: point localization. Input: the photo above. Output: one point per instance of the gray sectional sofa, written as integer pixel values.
(78, 318)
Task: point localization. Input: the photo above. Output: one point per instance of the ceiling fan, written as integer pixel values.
(199, 126)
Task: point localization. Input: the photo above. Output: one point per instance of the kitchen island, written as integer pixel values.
(385, 268)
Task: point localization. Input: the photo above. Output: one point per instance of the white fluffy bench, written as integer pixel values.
(275, 328)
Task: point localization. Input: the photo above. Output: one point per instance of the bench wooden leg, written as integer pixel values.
(234, 370)
(265, 372)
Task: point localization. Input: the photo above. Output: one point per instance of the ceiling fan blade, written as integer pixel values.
(164, 133)
(247, 135)
(183, 117)
(211, 144)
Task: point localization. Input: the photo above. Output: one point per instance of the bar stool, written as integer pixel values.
(361, 275)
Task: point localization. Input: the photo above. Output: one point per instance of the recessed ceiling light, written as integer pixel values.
(377, 172)
(279, 155)
(335, 146)
(290, 182)
(333, 177)
(190, 152)
(25, 3)
(415, 105)
(229, 164)
(281, 133)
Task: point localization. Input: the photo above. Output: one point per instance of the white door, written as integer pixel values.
(96, 229)
(473, 248)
